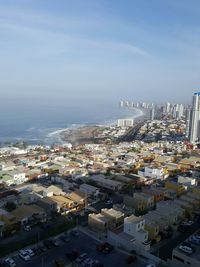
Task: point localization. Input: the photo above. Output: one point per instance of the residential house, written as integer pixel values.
(98, 222)
(179, 188)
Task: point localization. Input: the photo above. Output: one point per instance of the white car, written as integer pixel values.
(151, 265)
(109, 202)
(187, 223)
(30, 252)
(87, 262)
(190, 223)
(27, 228)
(24, 255)
(81, 258)
(10, 262)
(185, 249)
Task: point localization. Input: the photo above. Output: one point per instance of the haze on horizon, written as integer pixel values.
(106, 50)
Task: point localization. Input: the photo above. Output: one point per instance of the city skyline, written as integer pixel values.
(84, 51)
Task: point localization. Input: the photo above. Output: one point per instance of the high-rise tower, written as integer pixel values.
(194, 132)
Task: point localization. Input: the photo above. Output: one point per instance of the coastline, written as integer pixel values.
(74, 133)
(86, 133)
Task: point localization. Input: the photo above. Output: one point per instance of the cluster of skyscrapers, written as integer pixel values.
(176, 111)
(140, 105)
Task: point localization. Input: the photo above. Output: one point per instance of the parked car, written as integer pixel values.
(183, 228)
(59, 263)
(75, 233)
(65, 238)
(55, 241)
(81, 258)
(10, 262)
(197, 235)
(104, 248)
(24, 255)
(187, 223)
(185, 249)
(37, 250)
(42, 247)
(194, 240)
(27, 228)
(30, 252)
(72, 255)
(130, 259)
(87, 262)
(109, 202)
(47, 243)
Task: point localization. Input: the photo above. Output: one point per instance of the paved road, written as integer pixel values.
(131, 134)
(83, 244)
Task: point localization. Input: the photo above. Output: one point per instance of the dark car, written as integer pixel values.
(130, 259)
(65, 238)
(104, 248)
(47, 243)
(42, 247)
(72, 255)
(182, 228)
(37, 250)
(75, 233)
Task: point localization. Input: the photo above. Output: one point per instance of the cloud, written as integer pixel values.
(61, 42)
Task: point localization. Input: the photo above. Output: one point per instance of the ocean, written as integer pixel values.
(41, 123)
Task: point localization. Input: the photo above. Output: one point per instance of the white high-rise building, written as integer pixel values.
(187, 119)
(152, 114)
(194, 133)
(168, 107)
(125, 123)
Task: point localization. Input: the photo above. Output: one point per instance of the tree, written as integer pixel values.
(10, 206)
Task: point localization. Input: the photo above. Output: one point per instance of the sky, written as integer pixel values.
(99, 50)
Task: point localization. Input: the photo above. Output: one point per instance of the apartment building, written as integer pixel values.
(134, 226)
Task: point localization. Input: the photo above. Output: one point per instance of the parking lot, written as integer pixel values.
(165, 248)
(81, 243)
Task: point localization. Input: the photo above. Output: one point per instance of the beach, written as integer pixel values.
(89, 133)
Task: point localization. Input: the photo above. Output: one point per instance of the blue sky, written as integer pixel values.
(98, 49)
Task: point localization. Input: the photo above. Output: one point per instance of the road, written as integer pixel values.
(131, 134)
(83, 244)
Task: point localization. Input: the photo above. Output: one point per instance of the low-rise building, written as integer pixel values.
(186, 181)
(63, 203)
(115, 216)
(89, 189)
(157, 194)
(155, 173)
(153, 230)
(25, 213)
(107, 183)
(98, 222)
(134, 226)
(179, 188)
